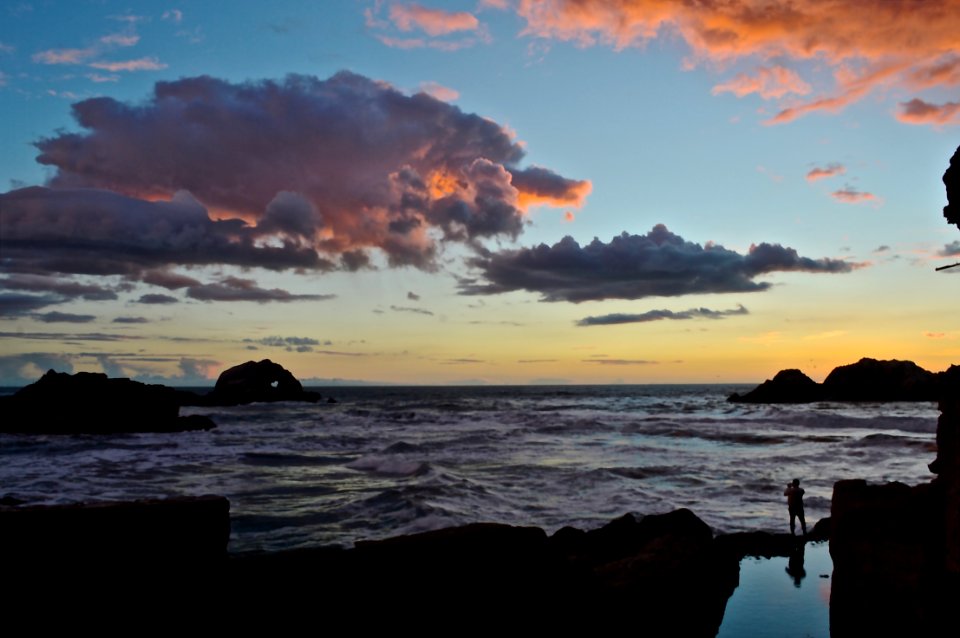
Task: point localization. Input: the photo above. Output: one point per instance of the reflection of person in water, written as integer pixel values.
(794, 494)
(795, 564)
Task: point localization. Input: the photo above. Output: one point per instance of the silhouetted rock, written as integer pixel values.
(872, 380)
(896, 548)
(951, 179)
(664, 570)
(865, 380)
(257, 382)
(789, 386)
(87, 402)
(887, 547)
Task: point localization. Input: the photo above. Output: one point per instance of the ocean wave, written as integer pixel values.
(389, 466)
(284, 459)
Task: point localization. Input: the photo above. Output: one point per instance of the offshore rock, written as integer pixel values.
(865, 380)
(257, 382)
(873, 380)
(92, 403)
(789, 386)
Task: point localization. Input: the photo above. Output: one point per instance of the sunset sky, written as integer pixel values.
(493, 191)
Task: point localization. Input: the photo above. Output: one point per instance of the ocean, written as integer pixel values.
(384, 461)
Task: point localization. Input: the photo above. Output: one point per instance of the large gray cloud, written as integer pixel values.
(658, 264)
(338, 166)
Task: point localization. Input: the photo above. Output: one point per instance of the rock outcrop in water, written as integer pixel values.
(865, 380)
(88, 402)
(788, 386)
(256, 382)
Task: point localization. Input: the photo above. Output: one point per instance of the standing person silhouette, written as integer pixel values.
(794, 494)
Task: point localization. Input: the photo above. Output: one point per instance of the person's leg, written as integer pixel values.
(803, 522)
(793, 522)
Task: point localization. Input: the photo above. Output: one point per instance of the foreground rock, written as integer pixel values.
(168, 533)
(865, 380)
(666, 571)
(896, 548)
(256, 382)
(87, 402)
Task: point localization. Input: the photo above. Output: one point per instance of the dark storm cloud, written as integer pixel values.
(168, 280)
(43, 283)
(621, 362)
(290, 344)
(70, 231)
(950, 250)
(131, 320)
(237, 289)
(659, 263)
(658, 315)
(66, 336)
(63, 317)
(333, 166)
(412, 296)
(419, 311)
(14, 304)
(154, 298)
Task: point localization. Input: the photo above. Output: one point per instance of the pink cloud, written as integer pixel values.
(850, 195)
(870, 44)
(769, 82)
(433, 22)
(64, 56)
(439, 91)
(830, 170)
(916, 111)
(141, 64)
(120, 39)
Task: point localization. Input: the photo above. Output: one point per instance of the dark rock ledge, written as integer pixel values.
(866, 380)
(667, 569)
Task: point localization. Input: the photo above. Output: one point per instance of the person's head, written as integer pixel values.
(796, 482)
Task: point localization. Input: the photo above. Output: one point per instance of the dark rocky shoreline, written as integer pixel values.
(668, 568)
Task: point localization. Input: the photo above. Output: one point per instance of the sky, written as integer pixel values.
(486, 191)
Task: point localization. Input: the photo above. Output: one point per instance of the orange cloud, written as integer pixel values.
(830, 170)
(538, 186)
(869, 43)
(433, 22)
(850, 195)
(769, 82)
(569, 216)
(916, 111)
